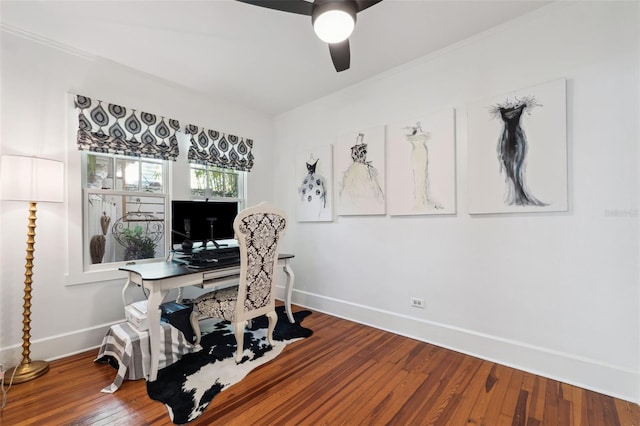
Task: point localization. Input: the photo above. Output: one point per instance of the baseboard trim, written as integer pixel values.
(564, 367)
(59, 346)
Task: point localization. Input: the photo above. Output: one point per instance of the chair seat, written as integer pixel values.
(218, 304)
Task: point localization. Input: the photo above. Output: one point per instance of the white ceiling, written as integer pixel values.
(266, 60)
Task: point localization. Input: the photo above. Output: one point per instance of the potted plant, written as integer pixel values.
(137, 244)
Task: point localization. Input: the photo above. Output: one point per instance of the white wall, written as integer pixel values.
(555, 294)
(37, 112)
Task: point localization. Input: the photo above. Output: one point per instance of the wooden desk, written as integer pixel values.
(160, 277)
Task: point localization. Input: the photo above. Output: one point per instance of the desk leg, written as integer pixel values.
(287, 290)
(153, 314)
(126, 300)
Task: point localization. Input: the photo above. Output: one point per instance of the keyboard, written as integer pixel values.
(212, 257)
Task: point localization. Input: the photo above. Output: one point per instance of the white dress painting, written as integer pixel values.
(314, 184)
(518, 151)
(421, 165)
(360, 172)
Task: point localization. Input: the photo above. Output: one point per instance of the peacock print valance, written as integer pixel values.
(114, 129)
(218, 149)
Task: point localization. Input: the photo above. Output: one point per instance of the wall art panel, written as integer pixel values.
(314, 179)
(518, 151)
(421, 165)
(360, 172)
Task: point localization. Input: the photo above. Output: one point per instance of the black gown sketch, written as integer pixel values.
(313, 190)
(360, 180)
(422, 197)
(512, 150)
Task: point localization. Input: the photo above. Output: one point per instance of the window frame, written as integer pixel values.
(87, 266)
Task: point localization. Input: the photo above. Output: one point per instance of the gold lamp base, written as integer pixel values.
(27, 371)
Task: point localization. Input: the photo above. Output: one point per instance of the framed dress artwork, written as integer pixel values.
(518, 151)
(314, 180)
(359, 164)
(421, 165)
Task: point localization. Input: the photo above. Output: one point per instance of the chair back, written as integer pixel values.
(259, 230)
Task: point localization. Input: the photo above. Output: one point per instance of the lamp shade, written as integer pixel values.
(333, 22)
(31, 179)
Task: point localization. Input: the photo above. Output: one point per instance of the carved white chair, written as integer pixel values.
(259, 230)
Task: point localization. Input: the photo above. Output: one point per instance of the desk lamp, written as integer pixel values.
(30, 179)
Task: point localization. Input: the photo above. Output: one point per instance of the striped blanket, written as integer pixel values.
(130, 348)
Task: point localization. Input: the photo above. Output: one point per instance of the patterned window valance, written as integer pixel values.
(217, 149)
(111, 128)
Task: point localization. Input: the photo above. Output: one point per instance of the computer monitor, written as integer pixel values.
(200, 221)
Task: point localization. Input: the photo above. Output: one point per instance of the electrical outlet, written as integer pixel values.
(417, 302)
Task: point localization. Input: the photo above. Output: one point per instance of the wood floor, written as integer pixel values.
(345, 374)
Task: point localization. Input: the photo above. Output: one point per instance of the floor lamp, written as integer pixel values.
(34, 180)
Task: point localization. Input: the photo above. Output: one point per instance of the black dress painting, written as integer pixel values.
(512, 150)
(517, 151)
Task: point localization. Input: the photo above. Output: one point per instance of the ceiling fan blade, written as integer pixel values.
(364, 4)
(300, 7)
(340, 55)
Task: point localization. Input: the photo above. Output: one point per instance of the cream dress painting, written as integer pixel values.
(360, 172)
(421, 163)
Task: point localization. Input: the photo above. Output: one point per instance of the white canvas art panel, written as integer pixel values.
(518, 151)
(359, 161)
(314, 180)
(421, 165)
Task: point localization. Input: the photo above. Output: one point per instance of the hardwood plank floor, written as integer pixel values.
(345, 374)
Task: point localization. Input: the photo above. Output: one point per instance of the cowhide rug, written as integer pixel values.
(188, 386)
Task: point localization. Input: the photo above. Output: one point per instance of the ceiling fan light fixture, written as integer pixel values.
(334, 22)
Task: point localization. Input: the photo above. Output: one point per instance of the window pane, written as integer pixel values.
(99, 172)
(231, 185)
(151, 177)
(102, 212)
(216, 182)
(198, 180)
(127, 175)
(125, 228)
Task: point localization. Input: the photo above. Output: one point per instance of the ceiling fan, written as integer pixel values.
(332, 20)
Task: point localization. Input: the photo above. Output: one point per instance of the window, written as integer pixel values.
(124, 204)
(215, 182)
